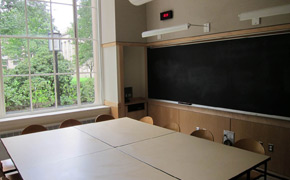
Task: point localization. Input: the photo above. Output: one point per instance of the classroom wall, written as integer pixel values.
(222, 15)
(130, 21)
(121, 22)
(110, 74)
(134, 70)
(108, 20)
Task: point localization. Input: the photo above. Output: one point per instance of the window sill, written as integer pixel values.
(19, 122)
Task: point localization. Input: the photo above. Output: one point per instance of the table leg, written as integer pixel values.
(249, 175)
(265, 171)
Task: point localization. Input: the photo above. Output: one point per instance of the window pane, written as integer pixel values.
(87, 88)
(17, 94)
(14, 56)
(43, 94)
(41, 59)
(62, 16)
(84, 22)
(38, 16)
(84, 2)
(12, 17)
(86, 57)
(41, 0)
(66, 57)
(63, 1)
(68, 90)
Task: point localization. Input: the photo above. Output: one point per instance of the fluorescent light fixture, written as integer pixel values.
(139, 2)
(256, 15)
(182, 27)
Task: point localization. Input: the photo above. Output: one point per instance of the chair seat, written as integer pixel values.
(14, 176)
(8, 165)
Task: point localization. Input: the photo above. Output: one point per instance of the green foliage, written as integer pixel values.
(16, 98)
(42, 92)
(12, 17)
(87, 91)
(84, 31)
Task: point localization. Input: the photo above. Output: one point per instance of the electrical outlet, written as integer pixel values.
(270, 147)
(229, 137)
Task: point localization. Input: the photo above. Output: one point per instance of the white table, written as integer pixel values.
(123, 131)
(187, 157)
(106, 165)
(125, 149)
(31, 150)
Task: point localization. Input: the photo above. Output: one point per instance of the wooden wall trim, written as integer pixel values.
(111, 104)
(115, 108)
(132, 44)
(111, 44)
(231, 115)
(223, 36)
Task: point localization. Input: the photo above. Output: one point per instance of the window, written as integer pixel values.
(48, 55)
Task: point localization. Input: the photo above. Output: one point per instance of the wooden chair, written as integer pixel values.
(104, 117)
(173, 126)
(7, 166)
(11, 176)
(202, 133)
(147, 119)
(253, 146)
(69, 123)
(33, 129)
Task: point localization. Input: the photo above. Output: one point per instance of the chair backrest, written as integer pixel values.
(70, 122)
(104, 117)
(173, 126)
(203, 133)
(1, 171)
(147, 119)
(33, 129)
(250, 145)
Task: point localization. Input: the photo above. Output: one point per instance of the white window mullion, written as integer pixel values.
(28, 53)
(77, 53)
(99, 69)
(53, 53)
(2, 98)
(29, 75)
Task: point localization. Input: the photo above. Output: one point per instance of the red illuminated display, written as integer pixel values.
(166, 15)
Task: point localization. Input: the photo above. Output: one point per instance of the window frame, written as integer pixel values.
(97, 58)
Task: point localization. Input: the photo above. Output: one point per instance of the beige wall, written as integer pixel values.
(130, 21)
(108, 24)
(110, 74)
(222, 15)
(122, 21)
(134, 70)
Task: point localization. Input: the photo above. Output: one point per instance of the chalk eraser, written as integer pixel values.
(185, 103)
